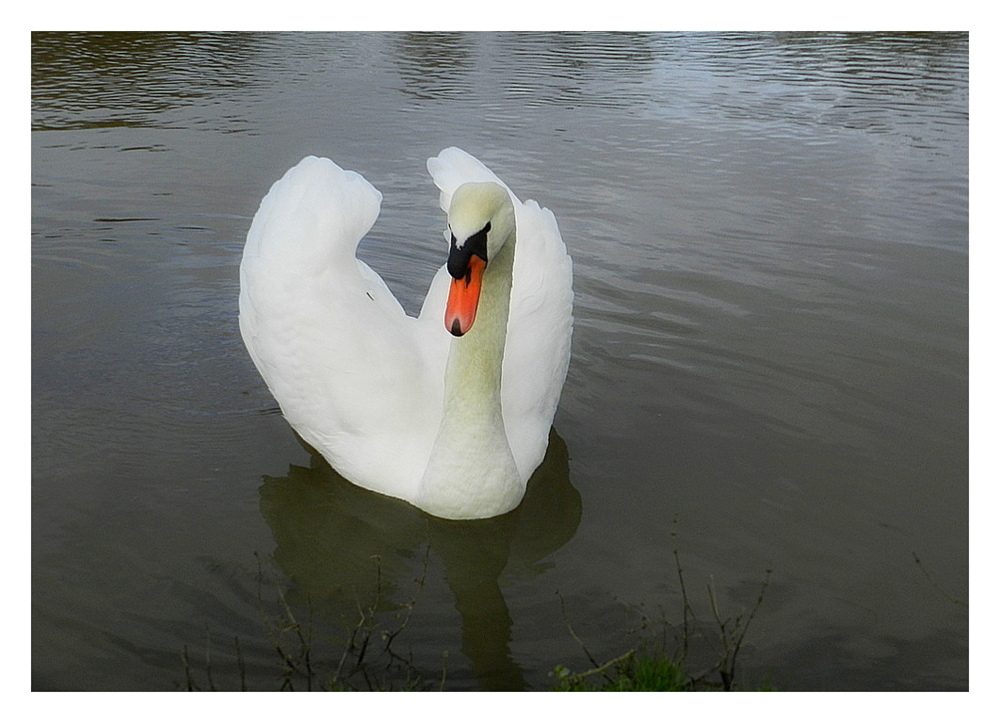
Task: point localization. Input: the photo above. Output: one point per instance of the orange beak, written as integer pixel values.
(463, 298)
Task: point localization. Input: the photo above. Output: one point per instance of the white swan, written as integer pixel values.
(454, 423)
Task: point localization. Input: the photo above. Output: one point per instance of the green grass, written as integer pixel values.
(692, 654)
(645, 673)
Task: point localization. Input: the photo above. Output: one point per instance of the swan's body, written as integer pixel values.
(397, 404)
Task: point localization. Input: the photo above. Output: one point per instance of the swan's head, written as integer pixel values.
(481, 221)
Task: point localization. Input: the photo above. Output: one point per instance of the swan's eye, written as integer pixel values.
(475, 245)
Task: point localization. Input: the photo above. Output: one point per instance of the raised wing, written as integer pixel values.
(539, 331)
(336, 349)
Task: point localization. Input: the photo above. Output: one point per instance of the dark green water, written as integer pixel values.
(770, 364)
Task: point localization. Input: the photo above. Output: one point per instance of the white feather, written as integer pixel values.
(356, 377)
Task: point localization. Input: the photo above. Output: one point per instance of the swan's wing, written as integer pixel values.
(540, 327)
(347, 366)
(452, 167)
(539, 334)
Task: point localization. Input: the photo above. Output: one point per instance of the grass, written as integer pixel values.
(664, 663)
(629, 673)
(368, 656)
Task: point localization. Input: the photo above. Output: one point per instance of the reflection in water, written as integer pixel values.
(539, 68)
(434, 65)
(860, 81)
(341, 544)
(851, 80)
(770, 243)
(95, 80)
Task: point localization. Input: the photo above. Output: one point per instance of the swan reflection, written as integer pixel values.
(340, 544)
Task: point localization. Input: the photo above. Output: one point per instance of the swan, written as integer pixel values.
(450, 410)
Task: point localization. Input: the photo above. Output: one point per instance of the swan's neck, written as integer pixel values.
(471, 472)
(475, 362)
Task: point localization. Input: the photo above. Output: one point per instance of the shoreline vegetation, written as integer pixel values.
(665, 664)
(368, 657)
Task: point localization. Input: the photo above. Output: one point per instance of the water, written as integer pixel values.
(770, 239)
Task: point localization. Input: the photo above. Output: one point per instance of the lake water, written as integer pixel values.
(768, 390)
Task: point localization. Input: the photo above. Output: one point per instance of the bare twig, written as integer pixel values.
(187, 671)
(562, 605)
(576, 678)
(746, 626)
(686, 607)
(208, 660)
(731, 634)
(947, 596)
(242, 665)
(444, 668)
